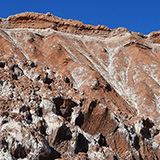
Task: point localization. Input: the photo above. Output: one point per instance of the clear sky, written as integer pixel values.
(136, 15)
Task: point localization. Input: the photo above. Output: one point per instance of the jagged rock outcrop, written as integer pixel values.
(75, 91)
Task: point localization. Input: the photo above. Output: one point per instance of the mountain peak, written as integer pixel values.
(75, 91)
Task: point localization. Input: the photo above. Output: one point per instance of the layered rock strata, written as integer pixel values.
(75, 91)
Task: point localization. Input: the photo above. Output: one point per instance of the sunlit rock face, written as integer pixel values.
(75, 91)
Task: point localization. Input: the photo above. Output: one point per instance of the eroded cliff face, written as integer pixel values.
(75, 91)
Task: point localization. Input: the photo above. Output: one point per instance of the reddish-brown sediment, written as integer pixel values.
(75, 91)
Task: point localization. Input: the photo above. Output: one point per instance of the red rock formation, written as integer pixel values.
(75, 91)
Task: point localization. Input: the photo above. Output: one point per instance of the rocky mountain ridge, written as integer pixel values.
(75, 91)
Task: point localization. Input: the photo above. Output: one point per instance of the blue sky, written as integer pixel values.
(136, 15)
